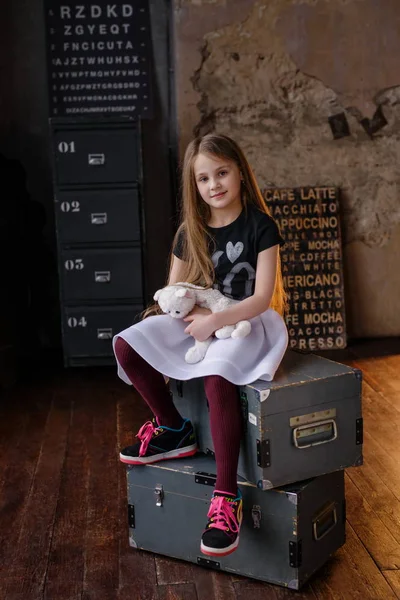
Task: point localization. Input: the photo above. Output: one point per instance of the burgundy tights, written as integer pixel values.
(224, 405)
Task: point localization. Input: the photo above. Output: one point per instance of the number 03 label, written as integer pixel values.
(74, 265)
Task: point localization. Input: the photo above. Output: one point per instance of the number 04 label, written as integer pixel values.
(77, 322)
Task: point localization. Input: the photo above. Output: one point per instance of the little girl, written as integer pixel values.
(228, 240)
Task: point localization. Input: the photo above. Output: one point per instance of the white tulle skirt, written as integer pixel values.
(162, 342)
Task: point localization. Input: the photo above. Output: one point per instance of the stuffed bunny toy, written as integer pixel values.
(178, 301)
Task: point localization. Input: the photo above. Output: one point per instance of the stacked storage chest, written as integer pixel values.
(301, 431)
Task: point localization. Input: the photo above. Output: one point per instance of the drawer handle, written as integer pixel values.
(96, 160)
(102, 276)
(325, 521)
(104, 334)
(98, 218)
(327, 428)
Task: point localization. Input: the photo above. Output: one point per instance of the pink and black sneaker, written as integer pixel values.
(157, 442)
(221, 536)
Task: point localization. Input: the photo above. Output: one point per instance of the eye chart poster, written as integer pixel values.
(99, 58)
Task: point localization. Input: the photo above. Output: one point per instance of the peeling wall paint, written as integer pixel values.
(270, 74)
(352, 48)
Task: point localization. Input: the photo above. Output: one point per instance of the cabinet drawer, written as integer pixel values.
(101, 274)
(88, 331)
(96, 156)
(98, 216)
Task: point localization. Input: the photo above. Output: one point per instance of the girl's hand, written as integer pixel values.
(201, 326)
(198, 310)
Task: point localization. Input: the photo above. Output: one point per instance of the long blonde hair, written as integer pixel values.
(195, 214)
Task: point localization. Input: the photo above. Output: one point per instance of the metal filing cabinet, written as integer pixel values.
(98, 210)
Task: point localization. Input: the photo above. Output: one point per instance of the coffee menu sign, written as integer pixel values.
(312, 265)
(98, 58)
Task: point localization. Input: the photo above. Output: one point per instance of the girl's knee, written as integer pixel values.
(123, 351)
(120, 344)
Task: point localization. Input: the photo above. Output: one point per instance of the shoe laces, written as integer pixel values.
(222, 514)
(145, 434)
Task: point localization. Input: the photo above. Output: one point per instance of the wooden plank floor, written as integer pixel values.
(63, 523)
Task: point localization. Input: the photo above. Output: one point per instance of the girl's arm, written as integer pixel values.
(176, 270)
(260, 300)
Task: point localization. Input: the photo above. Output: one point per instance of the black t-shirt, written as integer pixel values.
(234, 249)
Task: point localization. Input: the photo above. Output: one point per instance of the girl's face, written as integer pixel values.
(218, 181)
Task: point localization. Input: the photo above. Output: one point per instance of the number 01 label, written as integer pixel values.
(66, 147)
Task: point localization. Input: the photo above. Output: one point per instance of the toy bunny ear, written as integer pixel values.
(157, 295)
(184, 294)
(180, 293)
